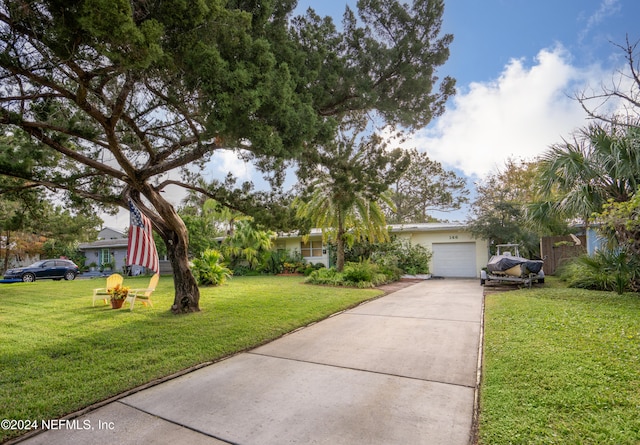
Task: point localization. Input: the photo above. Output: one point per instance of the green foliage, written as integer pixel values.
(412, 258)
(325, 276)
(599, 164)
(620, 223)
(345, 185)
(395, 258)
(608, 270)
(272, 262)
(424, 186)
(499, 212)
(362, 275)
(356, 272)
(209, 269)
(247, 244)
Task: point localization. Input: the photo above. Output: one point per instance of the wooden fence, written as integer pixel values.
(557, 249)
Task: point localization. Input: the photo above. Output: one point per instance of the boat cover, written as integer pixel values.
(501, 263)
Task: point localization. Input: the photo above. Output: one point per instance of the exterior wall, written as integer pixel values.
(292, 244)
(595, 241)
(117, 253)
(429, 237)
(423, 234)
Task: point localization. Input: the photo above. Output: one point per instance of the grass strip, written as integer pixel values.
(561, 366)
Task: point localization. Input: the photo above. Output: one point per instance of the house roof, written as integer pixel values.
(427, 227)
(103, 244)
(395, 228)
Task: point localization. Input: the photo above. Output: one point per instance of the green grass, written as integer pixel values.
(59, 354)
(561, 366)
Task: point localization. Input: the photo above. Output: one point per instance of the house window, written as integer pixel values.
(105, 257)
(311, 249)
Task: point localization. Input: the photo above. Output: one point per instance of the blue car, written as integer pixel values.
(46, 269)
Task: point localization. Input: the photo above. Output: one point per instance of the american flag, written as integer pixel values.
(141, 249)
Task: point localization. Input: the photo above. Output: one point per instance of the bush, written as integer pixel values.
(357, 272)
(412, 259)
(209, 269)
(272, 262)
(245, 271)
(362, 275)
(388, 265)
(325, 276)
(617, 271)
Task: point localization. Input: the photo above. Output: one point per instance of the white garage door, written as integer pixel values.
(454, 260)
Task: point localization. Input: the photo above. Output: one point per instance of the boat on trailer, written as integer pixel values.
(508, 266)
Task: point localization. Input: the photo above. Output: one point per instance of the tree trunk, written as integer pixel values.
(176, 238)
(187, 294)
(7, 251)
(340, 250)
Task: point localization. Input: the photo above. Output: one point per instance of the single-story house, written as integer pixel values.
(109, 253)
(456, 253)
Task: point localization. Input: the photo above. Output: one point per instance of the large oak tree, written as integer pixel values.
(117, 95)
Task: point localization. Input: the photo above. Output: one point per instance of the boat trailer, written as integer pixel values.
(515, 271)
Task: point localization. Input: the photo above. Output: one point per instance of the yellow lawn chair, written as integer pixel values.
(143, 295)
(102, 293)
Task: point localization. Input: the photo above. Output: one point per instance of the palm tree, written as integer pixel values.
(602, 163)
(247, 243)
(347, 183)
(343, 218)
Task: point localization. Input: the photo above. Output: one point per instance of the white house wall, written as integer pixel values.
(424, 235)
(428, 238)
(292, 244)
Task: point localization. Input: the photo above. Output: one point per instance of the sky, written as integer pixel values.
(518, 64)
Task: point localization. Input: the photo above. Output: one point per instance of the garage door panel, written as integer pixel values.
(454, 260)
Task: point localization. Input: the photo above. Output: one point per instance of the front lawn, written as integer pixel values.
(561, 366)
(59, 354)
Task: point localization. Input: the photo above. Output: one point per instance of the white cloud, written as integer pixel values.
(227, 161)
(518, 115)
(607, 8)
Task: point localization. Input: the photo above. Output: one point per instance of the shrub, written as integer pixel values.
(607, 270)
(362, 275)
(388, 265)
(357, 272)
(244, 271)
(209, 269)
(325, 276)
(412, 259)
(272, 262)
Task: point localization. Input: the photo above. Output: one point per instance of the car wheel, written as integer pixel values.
(28, 278)
(69, 276)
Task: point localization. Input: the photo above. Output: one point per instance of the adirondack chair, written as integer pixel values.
(102, 293)
(143, 295)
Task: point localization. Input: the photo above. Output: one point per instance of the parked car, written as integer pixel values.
(54, 269)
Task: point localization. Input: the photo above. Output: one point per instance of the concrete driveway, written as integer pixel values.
(401, 369)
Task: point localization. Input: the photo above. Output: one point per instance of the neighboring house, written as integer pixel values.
(455, 252)
(110, 253)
